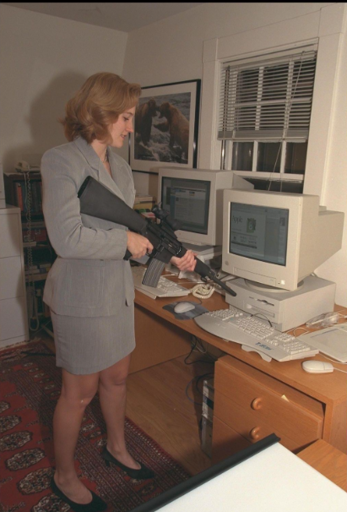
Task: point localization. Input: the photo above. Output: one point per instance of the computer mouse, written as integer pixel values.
(184, 307)
(317, 367)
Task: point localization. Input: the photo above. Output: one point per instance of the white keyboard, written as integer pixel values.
(254, 334)
(165, 288)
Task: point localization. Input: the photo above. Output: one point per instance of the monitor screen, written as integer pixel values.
(259, 232)
(188, 202)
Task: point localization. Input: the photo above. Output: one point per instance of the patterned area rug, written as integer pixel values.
(30, 386)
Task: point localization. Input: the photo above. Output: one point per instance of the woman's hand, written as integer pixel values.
(187, 262)
(138, 245)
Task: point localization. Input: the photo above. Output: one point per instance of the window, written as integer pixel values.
(265, 110)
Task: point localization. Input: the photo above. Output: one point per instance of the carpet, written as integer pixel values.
(30, 386)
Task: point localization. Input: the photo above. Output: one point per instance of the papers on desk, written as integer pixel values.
(331, 341)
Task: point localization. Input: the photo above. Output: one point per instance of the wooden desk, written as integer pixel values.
(327, 460)
(319, 401)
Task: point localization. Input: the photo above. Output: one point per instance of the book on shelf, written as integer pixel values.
(35, 235)
(145, 206)
(19, 196)
(35, 277)
(37, 269)
(143, 198)
(45, 266)
(35, 224)
(36, 197)
(25, 197)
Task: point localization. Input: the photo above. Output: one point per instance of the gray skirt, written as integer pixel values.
(86, 345)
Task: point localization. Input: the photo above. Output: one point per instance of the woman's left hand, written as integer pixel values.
(187, 262)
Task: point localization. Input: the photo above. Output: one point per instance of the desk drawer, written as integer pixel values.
(255, 404)
(225, 441)
(253, 428)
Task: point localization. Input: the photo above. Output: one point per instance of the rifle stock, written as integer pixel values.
(98, 201)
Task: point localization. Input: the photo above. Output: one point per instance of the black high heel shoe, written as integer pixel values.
(143, 473)
(96, 505)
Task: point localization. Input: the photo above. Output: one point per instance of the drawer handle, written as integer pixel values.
(256, 404)
(255, 433)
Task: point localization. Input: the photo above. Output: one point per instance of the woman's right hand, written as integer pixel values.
(138, 245)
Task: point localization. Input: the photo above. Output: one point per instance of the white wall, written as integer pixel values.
(43, 60)
(172, 50)
(335, 186)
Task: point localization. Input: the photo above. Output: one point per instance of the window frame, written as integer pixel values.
(323, 27)
(259, 63)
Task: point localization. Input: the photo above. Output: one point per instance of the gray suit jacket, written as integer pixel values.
(89, 276)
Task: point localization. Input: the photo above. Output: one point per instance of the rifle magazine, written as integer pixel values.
(153, 273)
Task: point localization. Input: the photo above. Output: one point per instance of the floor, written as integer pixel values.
(166, 402)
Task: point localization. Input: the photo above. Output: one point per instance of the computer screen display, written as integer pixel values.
(188, 202)
(259, 232)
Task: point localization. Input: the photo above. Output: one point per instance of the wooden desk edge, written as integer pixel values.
(329, 389)
(328, 460)
(290, 372)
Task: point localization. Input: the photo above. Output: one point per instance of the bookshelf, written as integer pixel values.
(143, 203)
(24, 190)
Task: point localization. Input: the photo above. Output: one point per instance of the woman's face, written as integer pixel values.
(122, 127)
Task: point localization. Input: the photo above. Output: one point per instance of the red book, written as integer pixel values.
(36, 234)
(19, 196)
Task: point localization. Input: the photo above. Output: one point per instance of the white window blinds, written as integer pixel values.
(268, 98)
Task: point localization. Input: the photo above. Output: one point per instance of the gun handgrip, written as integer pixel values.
(127, 255)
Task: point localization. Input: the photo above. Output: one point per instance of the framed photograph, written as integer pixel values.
(166, 127)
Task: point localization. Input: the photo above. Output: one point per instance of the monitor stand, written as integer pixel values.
(285, 309)
(264, 288)
(204, 252)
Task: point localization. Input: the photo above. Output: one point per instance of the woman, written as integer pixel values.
(89, 288)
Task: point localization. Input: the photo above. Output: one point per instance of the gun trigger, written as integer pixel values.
(152, 255)
(127, 255)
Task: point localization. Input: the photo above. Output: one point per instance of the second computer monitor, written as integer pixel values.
(194, 198)
(277, 239)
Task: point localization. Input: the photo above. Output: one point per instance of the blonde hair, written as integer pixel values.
(98, 103)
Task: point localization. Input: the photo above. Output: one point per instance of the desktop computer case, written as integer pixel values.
(284, 309)
(207, 416)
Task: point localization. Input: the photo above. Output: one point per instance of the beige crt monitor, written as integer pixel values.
(194, 197)
(277, 239)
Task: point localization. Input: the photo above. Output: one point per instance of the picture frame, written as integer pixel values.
(166, 127)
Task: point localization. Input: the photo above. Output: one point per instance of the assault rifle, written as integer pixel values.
(98, 201)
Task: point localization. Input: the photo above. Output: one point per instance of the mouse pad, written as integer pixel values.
(198, 310)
